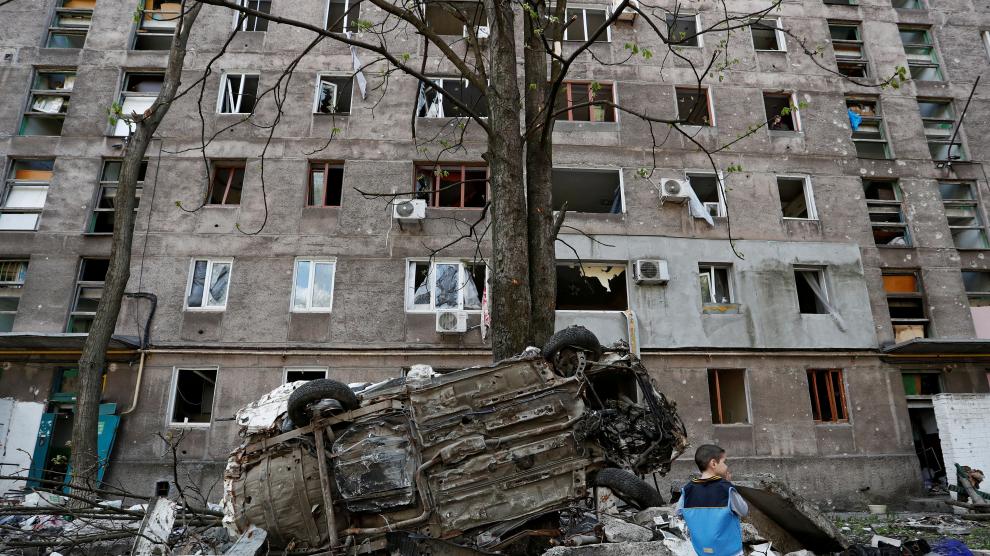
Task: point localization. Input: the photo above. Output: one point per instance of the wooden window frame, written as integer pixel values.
(325, 167)
(877, 206)
(816, 404)
(434, 201)
(718, 398)
(232, 167)
(568, 92)
(919, 294)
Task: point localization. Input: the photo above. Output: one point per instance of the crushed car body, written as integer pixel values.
(473, 457)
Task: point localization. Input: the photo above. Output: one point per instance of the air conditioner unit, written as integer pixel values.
(628, 14)
(451, 322)
(674, 190)
(651, 271)
(409, 210)
(712, 208)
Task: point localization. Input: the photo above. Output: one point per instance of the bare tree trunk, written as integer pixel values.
(539, 179)
(85, 457)
(511, 306)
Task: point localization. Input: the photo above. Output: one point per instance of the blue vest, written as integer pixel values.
(714, 527)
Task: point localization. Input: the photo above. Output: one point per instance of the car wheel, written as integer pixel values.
(570, 349)
(315, 390)
(629, 488)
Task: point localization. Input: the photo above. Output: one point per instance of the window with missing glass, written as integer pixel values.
(767, 35)
(812, 291)
(24, 193)
(238, 93)
(682, 30)
(226, 183)
(333, 94)
(326, 184)
(728, 396)
(431, 103)
(89, 290)
(209, 281)
(295, 374)
(694, 106)
(101, 221)
(716, 284)
(192, 397)
(939, 119)
(922, 59)
(343, 15)
(13, 273)
(157, 20)
(246, 22)
(445, 285)
(710, 192)
(456, 17)
(828, 396)
(592, 286)
(906, 305)
(136, 96)
(797, 200)
(781, 110)
(452, 186)
(868, 129)
(70, 23)
(886, 212)
(581, 101)
(977, 285)
(48, 104)
(849, 48)
(964, 214)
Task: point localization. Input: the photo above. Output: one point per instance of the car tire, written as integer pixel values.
(315, 390)
(629, 488)
(576, 338)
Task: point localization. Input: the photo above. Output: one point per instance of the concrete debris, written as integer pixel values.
(649, 516)
(623, 549)
(617, 530)
(800, 553)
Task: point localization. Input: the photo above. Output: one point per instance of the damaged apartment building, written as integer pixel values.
(802, 309)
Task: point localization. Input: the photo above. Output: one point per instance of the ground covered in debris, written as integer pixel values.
(861, 527)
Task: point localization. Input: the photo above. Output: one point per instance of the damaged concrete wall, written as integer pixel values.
(963, 431)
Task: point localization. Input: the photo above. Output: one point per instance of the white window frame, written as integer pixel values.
(711, 282)
(336, 93)
(347, 16)
(986, 41)
(809, 195)
(622, 181)
(697, 28)
(225, 81)
(304, 368)
(206, 285)
(584, 23)
(781, 42)
(795, 112)
(312, 278)
(822, 281)
(173, 385)
(410, 285)
(720, 187)
(244, 24)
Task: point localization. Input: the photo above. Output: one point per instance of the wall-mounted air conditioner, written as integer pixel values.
(628, 14)
(451, 322)
(409, 210)
(651, 271)
(674, 190)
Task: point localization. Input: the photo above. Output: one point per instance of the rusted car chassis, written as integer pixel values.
(473, 457)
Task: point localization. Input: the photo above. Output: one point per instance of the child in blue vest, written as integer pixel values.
(711, 506)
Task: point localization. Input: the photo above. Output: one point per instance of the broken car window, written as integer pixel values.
(591, 287)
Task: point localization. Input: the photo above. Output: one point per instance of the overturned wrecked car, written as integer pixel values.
(483, 458)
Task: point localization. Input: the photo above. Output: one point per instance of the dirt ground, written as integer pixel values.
(860, 527)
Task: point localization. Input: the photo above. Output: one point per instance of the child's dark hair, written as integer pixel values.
(706, 453)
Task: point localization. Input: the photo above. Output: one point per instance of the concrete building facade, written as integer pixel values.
(842, 282)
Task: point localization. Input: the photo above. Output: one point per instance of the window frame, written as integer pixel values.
(795, 112)
(225, 83)
(940, 140)
(56, 30)
(81, 284)
(923, 400)
(438, 83)
(204, 306)
(777, 32)
(164, 27)
(13, 289)
(929, 44)
(821, 272)
(304, 368)
(695, 90)
(437, 190)
(860, 61)
(568, 94)
(325, 166)
(126, 95)
(101, 186)
(877, 119)
(173, 392)
(712, 267)
(719, 189)
(11, 181)
(346, 22)
(584, 24)
(336, 93)
(809, 197)
(242, 26)
(596, 169)
(462, 274)
(816, 404)
(714, 372)
(898, 202)
(699, 36)
(65, 94)
(232, 165)
(975, 203)
(313, 262)
(918, 294)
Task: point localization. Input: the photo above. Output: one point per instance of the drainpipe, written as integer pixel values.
(145, 340)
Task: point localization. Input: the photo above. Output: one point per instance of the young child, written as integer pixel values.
(711, 506)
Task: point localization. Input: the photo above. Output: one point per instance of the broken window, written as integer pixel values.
(964, 214)
(709, 191)
(101, 222)
(812, 292)
(694, 106)
(238, 93)
(781, 110)
(342, 15)
(922, 383)
(727, 393)
(24, 193)
(445, 285)
(157, 20)
(682, 30)
(138, 94)
(828, 396)
(326, 184)
(907, 4)
(867, 126)
(89, 289)
(209, 281)
(48, 103)
(333, 94)
(591, 287)
(767, 35)
(453, 18)
(796, 198)
(977, 284)
(192, 396)
(312, 288)
(452, 186)
(597, 191)
(716, 287)
(432, 104)
(576, 102)
(582, 23)
(883, 202)
(921, 56)
(70, 23)
(226, 184)
(939, 120)
(244, 22)
(12, 275)
(850, 51)
(294, 374)
(906, 305)
(841, 2)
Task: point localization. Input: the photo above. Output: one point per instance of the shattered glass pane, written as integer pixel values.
(218, 285)
(198, 281)
(447, 287)
(421, 284)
